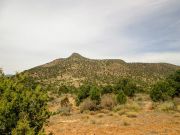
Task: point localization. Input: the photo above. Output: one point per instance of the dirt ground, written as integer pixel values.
(145, 122)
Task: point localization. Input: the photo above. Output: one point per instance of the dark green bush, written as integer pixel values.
(162, 91)
(83, 93)
(174, 81)
(94, 94)
(106, 89)
(121, 98)
(19, 94)
(130, 89)
(23, 127)
(127, 86)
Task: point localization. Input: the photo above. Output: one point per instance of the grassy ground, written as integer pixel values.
(138, 117)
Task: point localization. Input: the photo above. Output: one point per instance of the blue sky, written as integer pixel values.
(34, 32)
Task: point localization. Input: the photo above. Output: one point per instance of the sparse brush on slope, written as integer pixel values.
(77, 69)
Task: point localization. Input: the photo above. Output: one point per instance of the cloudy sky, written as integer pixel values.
(33, 32)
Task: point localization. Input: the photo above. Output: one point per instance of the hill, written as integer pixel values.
(77, 69)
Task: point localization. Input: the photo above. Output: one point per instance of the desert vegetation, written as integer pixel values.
(31, 99)
(23, 106)
(124, 100)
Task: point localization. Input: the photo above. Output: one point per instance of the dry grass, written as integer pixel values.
(100, 115)
(88, 104)
(108, 101)
(166, 106)
(131, 114)
(178, 108)
(133, 106)
(93, 121)
(125, 121)
(105, 111)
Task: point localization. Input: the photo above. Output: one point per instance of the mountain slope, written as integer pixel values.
(77, 69)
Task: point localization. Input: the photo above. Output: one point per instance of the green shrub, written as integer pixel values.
(121, 98)
(94, 94)
(162, 91)
(107, 89)
(127, 86)
(130, 89)
(19, 94)
(83, 93)
(23, 128)
(174, 81)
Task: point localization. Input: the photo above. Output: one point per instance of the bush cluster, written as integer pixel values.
(105, 96)
(23, 105)
(167, 89)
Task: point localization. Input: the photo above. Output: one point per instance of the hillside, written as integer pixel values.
(77, 69)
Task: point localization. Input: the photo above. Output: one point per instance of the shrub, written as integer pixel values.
(88, 104)
(23, 127)
(83, 93)
(108, 101)
(65, 102)
(20, 94)
(133, 106)
(130, 89)
(94, 94)
(63, 89)
(127, 86)
(162, 91)
(107, 89)
(166, 106)
(121, 98)
(174, 81)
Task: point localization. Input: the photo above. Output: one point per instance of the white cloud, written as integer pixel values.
(164, 57)
(33, 32)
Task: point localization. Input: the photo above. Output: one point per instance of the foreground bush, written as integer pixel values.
(88, 104)
(162, 91)
(121, 98)
(108, 101)
(20, 95)
(23, 127)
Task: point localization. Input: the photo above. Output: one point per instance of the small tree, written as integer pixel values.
(23, 128)
(130, 89)
(83, 93)
(95, 94)
(174, 81)
(1, 72)
(162, 91)
(121, 98)
(127, 86)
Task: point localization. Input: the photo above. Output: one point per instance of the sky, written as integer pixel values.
(34, 32)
